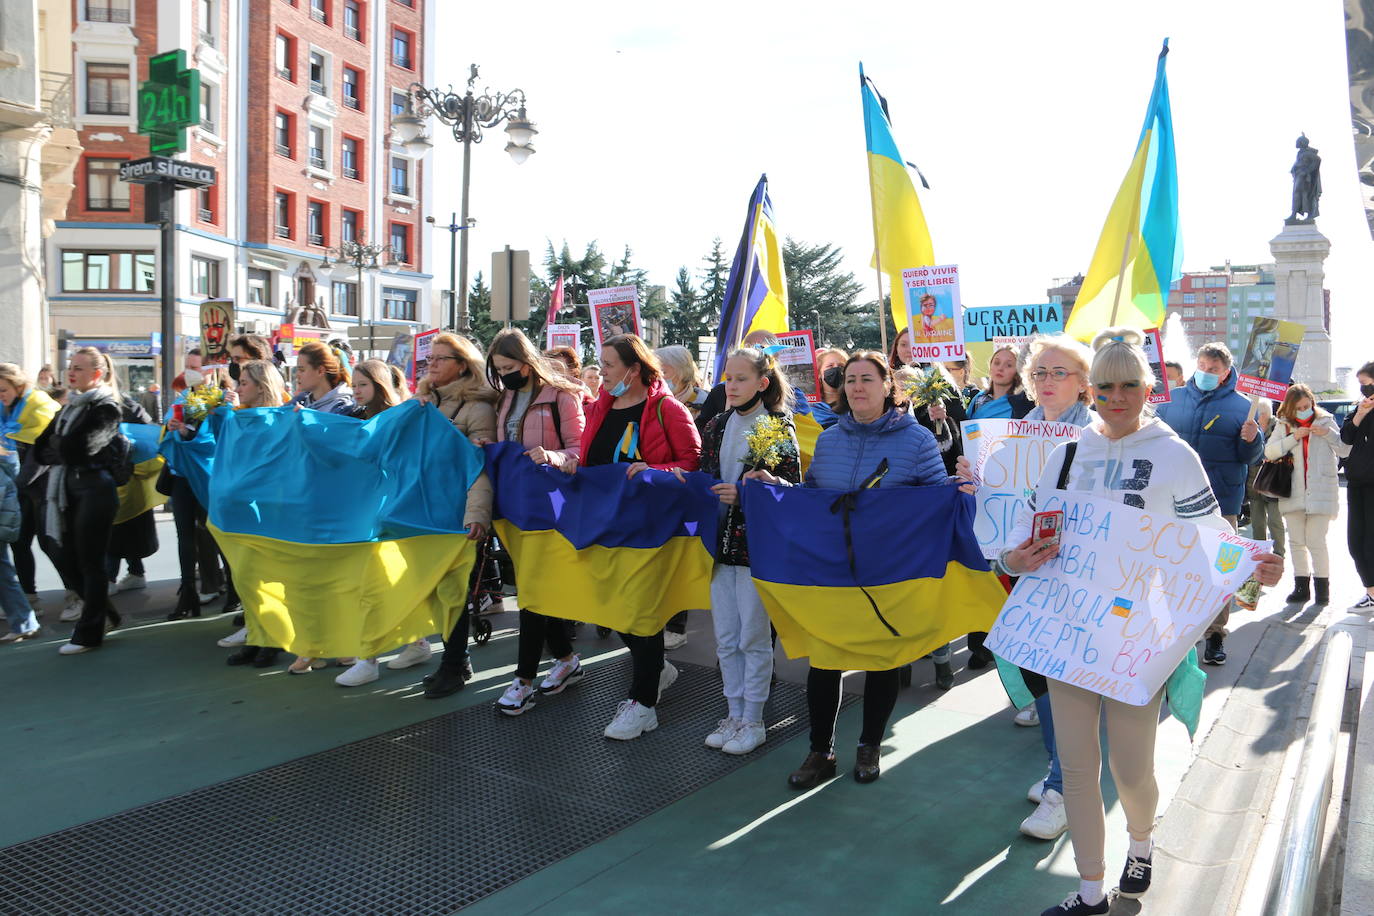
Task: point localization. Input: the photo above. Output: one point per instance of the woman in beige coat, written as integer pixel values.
(1310, 436)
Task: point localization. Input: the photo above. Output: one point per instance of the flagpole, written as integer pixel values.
(877, 256)
(1126, 257)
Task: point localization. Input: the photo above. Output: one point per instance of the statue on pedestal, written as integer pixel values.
(1307, 184)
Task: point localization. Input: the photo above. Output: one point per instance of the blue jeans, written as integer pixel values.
(18, 613)
(1054, 779)
(941, 655)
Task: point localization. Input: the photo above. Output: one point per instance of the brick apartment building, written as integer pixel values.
(297, 97)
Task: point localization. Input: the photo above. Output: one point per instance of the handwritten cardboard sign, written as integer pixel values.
(934, 313)
(1126, 598)
(1007, 457)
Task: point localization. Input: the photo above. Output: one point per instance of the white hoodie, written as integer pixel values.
(1151, 469)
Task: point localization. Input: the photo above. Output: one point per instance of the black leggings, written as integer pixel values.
(646, 652)
(22, 549)
(1360, 530)
(92, 501)
(823, 705)
(536, 631)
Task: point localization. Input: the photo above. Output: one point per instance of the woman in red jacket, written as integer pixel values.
(637, 422)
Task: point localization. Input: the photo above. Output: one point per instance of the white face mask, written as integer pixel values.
(623, 385)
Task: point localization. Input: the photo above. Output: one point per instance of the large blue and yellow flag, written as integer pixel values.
(345, 536)
(596, 547)
(26, 419)
(140, 493)
(870, 580)
(756, 293)
(1139, 254)
(900, 237)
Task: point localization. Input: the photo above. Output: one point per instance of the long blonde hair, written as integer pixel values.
(102, 362)
(383, 385)
(268, 380)
(679, 359)
(472, 383)
(15, 377)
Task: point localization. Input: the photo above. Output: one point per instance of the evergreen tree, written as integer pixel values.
(713, 281)
(689, 316)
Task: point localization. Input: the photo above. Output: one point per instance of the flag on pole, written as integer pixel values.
(900, 237)
(555, 302)
(1139, 254)
(756, 293)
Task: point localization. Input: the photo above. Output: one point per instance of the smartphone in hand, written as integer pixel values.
(1047, 526)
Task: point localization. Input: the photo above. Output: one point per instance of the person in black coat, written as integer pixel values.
(135, 539)
(1358, 432)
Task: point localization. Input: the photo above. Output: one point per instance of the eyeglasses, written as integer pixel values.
(1057, 374)
(1109, 387)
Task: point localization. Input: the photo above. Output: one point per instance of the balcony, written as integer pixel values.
(353, 32)
(317, 238)
(207, 125)
(106, 107)
(284, 150)
(317, 158)
(402, 61)
(318, 14)
(55, 94)
(317, 87)
(106, 13)
(350, 171)
(286, 74)
(208, 40)
(107, 203)
(401, 189)
(352, 101)
(206, 216)
(283, 232)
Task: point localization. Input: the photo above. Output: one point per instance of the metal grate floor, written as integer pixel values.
(422, 820)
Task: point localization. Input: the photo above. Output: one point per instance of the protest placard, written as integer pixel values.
(1266, 368)
(798, 362)
(216, 323)
(1007, 458)
(1154, 352)
(615, 310)
(1017, 322)
(933, 312)
(423, 341)
(564, 335)
(1128, 595)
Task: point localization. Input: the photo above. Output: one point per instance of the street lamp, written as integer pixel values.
(358, 256)
(468, 116)
(815, 313)
(451, 320)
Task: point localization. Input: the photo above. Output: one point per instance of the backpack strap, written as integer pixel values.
(1068, 463)
(557, 421)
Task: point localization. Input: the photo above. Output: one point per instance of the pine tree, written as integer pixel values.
(689, 315)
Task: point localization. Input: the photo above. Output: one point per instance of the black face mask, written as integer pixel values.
(834, 376)
(512, 381)
(234, 370)
(1367, 390)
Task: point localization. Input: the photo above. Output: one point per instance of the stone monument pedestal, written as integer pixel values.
(1299, 253)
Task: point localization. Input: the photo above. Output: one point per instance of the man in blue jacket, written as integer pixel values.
(1211, 416)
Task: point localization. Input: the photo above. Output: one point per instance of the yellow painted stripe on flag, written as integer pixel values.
(807, 431)
(140, 494)
(900, 226)
(772, 311)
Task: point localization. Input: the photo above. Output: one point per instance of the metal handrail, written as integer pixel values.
(1294, 888)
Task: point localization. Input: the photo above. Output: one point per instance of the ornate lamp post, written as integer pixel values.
(468, 115)
(359, 256)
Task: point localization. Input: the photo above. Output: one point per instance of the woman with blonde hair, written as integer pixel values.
(1310, 436)
(25, 411)
(683, 377)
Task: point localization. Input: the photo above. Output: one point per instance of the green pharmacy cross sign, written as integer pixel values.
(169, 102)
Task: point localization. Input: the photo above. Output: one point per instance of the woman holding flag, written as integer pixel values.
(637, 422)
(25, 411)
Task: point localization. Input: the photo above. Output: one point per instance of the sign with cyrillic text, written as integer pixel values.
(1007, 458)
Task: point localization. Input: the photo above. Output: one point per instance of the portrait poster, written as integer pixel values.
(563, 335)
(798, 363)
(934, 313)
(216, 325)
(1266, 367)
(615, 310)
(1154, 352)
(423, 341)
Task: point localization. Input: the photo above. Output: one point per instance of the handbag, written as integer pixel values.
(1275, 478)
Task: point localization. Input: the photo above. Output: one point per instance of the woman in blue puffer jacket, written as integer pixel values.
(872, 428)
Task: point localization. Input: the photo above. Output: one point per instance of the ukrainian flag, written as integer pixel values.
(870, 580)
(756, 293)
(345, 536)
(900, 237)
(140, 494)
(596, 547)
(1139, 254)
(194, 458)
(28, 417)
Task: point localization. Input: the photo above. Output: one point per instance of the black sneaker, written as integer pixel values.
(1216, 651)
(1073, 905)
(1135, 877)
(443, 683)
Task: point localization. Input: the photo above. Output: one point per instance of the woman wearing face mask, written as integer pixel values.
(1175, 486)
(830, 362)
(541, 408)
(322, 380)
(636, 422)
(1309, 435)
(874, 426)
(1358, 432)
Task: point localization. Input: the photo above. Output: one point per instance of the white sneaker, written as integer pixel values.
(72, 648)
(1366, 601)
(364, 671)
(416, 653)
(1036, 793)
(132, 583)
(561, 676)
(673, 640)
(725, 730)
(516, 699)
(1029, 717)
(631, 720)
(71, 610)
(747, 738)
(666, 678)
(237, 639)
(1049, 820)
(207, 597)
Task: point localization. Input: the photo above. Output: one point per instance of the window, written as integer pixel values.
(104, 190)
(208, 108)
(286, 134)
(283, 214)
(353, 19)
(348, 226)
(108, 271)
(400, 103)
(400, 242)
(318, 71)
(1190, 298)
(317, 147)
(319, 11)
(400, 48)
(107, 89)
(259, 287)
(345, 298)
(398, 304)
(205, 204)
(107, 10)
(204, 277)
(352, 88)
(286, 57)
(349, 158)
(316, 218)
(400, 176)
(208, 19)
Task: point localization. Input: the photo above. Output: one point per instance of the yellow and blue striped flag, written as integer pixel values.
(756, 293)
(140, 493)
(26, 419)
(1139, 254)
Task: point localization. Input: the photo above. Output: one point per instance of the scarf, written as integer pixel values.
(57, 474)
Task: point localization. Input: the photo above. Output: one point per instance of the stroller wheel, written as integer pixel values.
(603, 632)
(481, 631)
